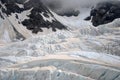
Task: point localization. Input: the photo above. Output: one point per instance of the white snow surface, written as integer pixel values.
(81, 36)
(81, 41)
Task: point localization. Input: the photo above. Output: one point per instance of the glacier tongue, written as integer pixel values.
(57, 67)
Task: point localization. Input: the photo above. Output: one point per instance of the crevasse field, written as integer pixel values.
(83, 52)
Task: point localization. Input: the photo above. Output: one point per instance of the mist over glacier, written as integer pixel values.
(76, 3)
(61, 6)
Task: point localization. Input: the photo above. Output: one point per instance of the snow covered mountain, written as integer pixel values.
(22, 18)
(42, 45)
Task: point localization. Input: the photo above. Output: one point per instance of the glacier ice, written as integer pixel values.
(82, 52)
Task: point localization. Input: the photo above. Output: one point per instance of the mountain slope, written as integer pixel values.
(83, 52)
(27, 18)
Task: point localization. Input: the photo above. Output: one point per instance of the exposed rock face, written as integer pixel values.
(58, 8)
(39, 16)
(83, 53)
(105, 12)
(69, 12)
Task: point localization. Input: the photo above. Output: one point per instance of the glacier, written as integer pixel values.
(83, 52)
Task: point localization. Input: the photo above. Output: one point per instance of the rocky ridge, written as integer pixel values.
(104, 12)
(26, 17)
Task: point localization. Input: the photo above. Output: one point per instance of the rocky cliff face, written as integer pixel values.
(84, 52)
(28, 15)
(105, 12)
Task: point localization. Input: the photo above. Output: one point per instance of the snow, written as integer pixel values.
(20, 5)
(19, 27)
(26, 1)
(6, 36)
(78, 22)
(82, 36)
(107, 58)
(7, 33)
(95, 50)
(65, 42)
(50, 19)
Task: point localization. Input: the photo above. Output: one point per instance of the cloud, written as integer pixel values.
(62, 5)
(74, 3)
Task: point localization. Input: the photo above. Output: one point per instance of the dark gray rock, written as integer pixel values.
(57, 7)
(104, 12)
(36, 22)
(69, 12)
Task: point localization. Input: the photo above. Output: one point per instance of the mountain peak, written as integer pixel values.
(30, 14)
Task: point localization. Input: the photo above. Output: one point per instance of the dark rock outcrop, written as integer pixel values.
(104, 12)
(58, 8)
(69, 12)
(39, 17)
